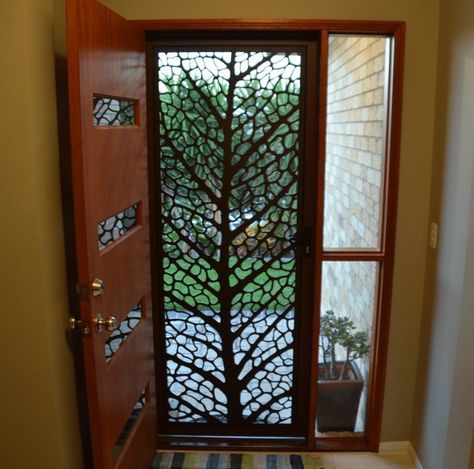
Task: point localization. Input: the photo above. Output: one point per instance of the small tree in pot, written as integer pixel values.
(340, 382)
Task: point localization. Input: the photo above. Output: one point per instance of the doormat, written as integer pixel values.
(166, 460)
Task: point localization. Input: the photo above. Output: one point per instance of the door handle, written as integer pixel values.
(101, 323)
(303, 240)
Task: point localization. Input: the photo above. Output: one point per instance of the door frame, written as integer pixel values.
(308, 46)
(396, 31)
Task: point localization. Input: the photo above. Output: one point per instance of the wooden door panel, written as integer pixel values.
(127, 288)
(134, 364)
(106, 58)
(125, 178)
(140, 440)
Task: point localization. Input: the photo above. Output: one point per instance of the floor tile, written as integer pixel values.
(372, 461)
(327, 460)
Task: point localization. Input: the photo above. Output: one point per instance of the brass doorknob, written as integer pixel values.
(108, 324)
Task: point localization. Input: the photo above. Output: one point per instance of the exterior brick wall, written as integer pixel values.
(355, 141)
(356, 129)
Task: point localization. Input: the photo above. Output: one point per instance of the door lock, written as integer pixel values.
(108, 324)
(98, 287)
(304, 240)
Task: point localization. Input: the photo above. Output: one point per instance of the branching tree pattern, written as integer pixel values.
(229, 156)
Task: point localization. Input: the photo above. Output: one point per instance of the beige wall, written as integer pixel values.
(421, 54)
(444, 418)
(39, 423)
(38, 406)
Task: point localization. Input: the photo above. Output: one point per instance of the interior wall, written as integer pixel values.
(444, 418)
(421, 17)
(38, 424)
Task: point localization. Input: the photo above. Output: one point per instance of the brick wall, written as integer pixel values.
(354, 165)
(355, 140)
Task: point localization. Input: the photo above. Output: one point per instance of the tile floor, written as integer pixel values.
(367, 461)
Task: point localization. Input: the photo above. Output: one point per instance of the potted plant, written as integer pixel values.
(340, 382)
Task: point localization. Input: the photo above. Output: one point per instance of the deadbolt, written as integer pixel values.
(108, 324)
(98, 287)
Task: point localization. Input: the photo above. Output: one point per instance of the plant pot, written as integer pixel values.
(338, 401)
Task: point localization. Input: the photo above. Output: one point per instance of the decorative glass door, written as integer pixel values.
(234, 239)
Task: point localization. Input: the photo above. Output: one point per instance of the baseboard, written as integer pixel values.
(401, 447)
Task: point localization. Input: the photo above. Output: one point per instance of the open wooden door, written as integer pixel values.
(107, 90)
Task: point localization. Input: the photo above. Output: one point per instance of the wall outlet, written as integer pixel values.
(434, 235)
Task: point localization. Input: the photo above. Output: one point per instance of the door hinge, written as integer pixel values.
(83, 291)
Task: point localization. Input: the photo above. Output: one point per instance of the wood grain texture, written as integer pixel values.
(106, 56)
(318, 241)
(279, 24)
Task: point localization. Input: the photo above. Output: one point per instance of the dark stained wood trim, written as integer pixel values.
(155, 219)
(377, 382)
(342, 444)
(308, 201)
(88, 395)
(318, 238)
(352, 256)
(267, 447)
(279, 24)
(74, 340)
(237, 443)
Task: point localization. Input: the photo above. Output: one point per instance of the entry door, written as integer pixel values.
(236, 235)
(106, 75)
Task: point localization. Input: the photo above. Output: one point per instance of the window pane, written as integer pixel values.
(113, 111)
(348, 302)
(121, 333)
(112, 228)
(355, 140)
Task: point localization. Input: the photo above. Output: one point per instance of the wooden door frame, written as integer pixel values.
(396, 31)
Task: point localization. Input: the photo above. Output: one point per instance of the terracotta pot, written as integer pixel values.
(338, 401)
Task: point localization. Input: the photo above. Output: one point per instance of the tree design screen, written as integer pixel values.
(230, 163)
